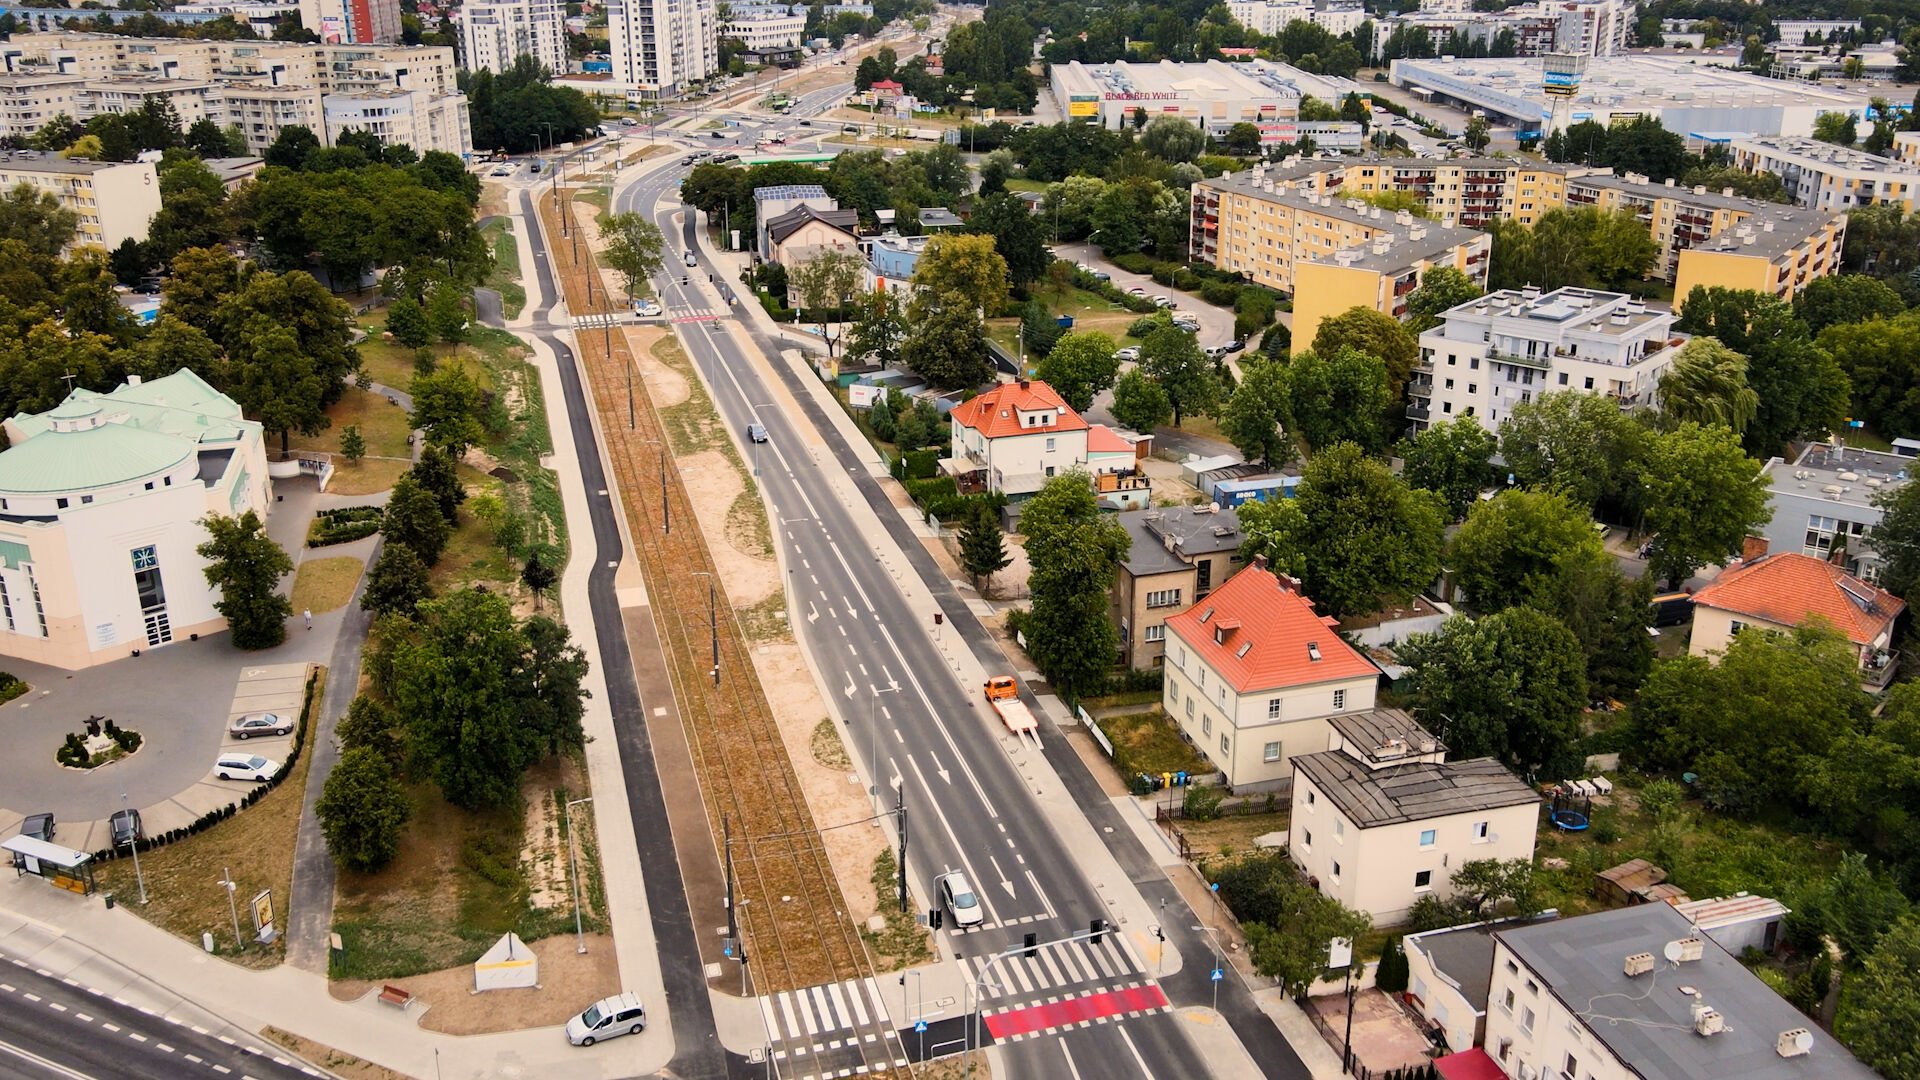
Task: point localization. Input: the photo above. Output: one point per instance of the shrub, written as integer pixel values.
(1163, 273)
(1186, 280)
(1140, 328)
(1133, 262)
(921, 491)
(1203, 801)
(1391, 976)
(1219, 293)
(922, 464)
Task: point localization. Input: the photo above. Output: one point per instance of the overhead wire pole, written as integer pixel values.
(713, 624)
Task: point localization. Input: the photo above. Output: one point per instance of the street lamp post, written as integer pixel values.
(713, 624)
(133, 841)
(873, 742)
(573, 857)
(226, 878)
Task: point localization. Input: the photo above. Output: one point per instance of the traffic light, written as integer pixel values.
(935, 917)
(1094, 930)
(1032, 942)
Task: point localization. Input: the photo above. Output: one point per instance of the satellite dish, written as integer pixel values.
(1672, 952)
(1803, 1041)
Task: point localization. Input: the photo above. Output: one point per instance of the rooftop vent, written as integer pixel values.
(1707, 1020)
(1793, 1042)
(1639, 963)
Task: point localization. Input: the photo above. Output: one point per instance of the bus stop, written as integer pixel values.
(62, 866)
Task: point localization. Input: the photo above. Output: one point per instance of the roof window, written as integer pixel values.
(1313, 651)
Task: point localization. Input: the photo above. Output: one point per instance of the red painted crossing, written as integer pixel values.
(1026, 1021)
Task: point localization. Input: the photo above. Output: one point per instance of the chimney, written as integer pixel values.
(1025, 385)
(1753, 547)
(1259, 562)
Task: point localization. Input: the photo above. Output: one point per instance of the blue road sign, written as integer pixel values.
(920, 1026)
(1218, 974)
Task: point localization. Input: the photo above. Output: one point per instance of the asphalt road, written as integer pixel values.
(51, 1029)
(934, 737)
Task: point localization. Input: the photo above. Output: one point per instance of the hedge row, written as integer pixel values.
(1108, 291)
(213, 817)
(323, 535)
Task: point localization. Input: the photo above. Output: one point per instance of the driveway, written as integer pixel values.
(1216, 323)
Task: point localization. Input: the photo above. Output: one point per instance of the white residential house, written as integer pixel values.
(1016, 437)
(1509, 347)
(1383, 818)
(1448, 972)
(1253, 676)
(1638, 992)
(100, 506)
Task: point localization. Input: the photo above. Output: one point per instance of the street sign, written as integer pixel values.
(920, 1026)
(1218, 974)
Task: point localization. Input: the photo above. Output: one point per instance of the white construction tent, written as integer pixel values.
(507, 965)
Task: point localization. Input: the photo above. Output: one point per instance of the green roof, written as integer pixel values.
(55, 461)
(178, 404)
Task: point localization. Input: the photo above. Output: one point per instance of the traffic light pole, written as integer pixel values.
(973, 986)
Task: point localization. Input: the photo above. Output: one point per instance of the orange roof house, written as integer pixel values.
(1016, 437)
(1787, 589)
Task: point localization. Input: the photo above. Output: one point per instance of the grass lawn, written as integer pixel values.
(471, 555)
(184, 894)
(391, 364)
(1015, 184)
(1231, 835)
(326, 584)
(1149, 742)
(505, 276)
(383, 426)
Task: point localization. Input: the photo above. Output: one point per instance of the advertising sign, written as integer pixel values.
(862, 395)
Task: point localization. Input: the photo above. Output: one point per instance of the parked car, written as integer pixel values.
(245, 767)
(126, 828)
(1131, 352)
(1163, 301)
(260, 723)
(608, 1018)
(960, 899)
(1083, 266)
(1236, 345)
(757, 432)
(1102, 275)
(1215, 352)
(38, 826)
(647, 309)
(1136, 291)
(1191, 326)
(724, 158)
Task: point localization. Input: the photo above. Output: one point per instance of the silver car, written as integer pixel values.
(260, 723)
(960, 899)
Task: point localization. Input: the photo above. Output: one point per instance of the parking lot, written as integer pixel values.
(179, 698)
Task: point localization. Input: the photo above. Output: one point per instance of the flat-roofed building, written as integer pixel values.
(1508, 347)
(495, 33)
(1214, 95)
(397, 117)
(1467, 191)
(114, 201)
(262, 111)
(1906, 147)
(1823, 176)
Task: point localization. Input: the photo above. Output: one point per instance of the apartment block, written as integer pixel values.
(1717, 238)
(1823, 176)
(660, 47)
(262, 111)
(115, 201)
(1468, 191)
(361, 22)
(1331, 254)
(765, 29)
(402, 117)
(1179, 554)
(494, 35)
(1906, 147)
(1825, 505)
(330, 67)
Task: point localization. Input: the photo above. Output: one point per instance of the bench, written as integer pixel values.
(394, 995)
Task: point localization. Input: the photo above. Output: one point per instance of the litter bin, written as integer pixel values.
(109, 901)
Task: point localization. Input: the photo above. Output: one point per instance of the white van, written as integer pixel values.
(608, 1018)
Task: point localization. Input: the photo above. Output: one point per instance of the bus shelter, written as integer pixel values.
(61, 866)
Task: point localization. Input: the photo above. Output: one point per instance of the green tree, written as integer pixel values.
(447, 311)
(1574, 442)
(1074, 551)
(549, 678)
(37, 220)
(1838, 128)
(1016, 234)
(1855, 906)
(1754, 726)
(1480, 885)
(1172, 358)
(1478, 134)
(446, 406)
(1803, 391)
(1707, 384)
(1256, 413)
(407, 322)
(824, 284)
(456, 686)
(1882, 360)
(1880, 1007)
(959, 271)
(1896, 539)
(1338, 397)
(1703, 496)
(539, 576)
(363, 808)
(1644, 146)
(1141, 403)
(1357, 535)
(1376, 335)
(246, 566)
(370, 724)
(1511, 546)
(1454, 460)
(632, 245)
(1172, 139)
(983, 547)
(1511, 685)
(1442, 288)
(1295, 952)
(947, 346)
(353, 446)
(1608, 611)
(1079, 367)
(1845, 298)
(413, 520)
(879, 328)
(437, 472)
(398, 582)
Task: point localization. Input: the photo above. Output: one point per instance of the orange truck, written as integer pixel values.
(1003, 693)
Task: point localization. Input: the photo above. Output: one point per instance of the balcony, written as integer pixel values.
(1419, 389)
(1418, 412)
(1537, 363)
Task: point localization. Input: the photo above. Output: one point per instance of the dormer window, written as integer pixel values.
(1313, 651)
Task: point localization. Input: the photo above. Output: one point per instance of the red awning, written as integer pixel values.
(1471, 1064)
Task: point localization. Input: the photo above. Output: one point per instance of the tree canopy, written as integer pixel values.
(1510, 685)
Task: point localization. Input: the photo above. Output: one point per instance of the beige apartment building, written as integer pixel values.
(262, 111)
(1466, 191)
(1179, 555)
(1329, 253)
(115, 201)
(331, 67)
(1828, 177)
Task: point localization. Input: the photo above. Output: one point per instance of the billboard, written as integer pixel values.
(862, 395)
(1083, 105)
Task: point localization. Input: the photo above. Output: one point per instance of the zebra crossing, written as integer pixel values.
(596, 320)
(694, 314)
(1055, 968)
(836, 1029)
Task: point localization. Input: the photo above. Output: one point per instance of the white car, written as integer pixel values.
(959, 897)
(647, 309)
(1130, 353)
(1136, 291)
(1163, 301)
(245, 767)
(621, 1014)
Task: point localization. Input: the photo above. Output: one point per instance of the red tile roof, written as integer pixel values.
(1787, 588)
(1471, 1064)
(997, 412)
(1264, 627)
(1102, 439)
(886, 84)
